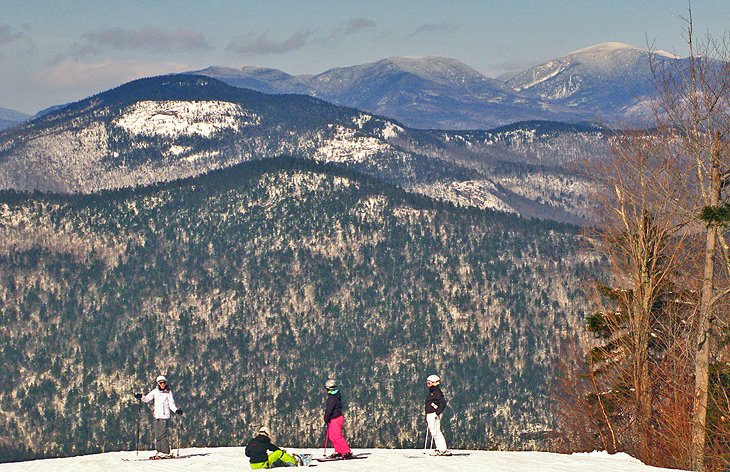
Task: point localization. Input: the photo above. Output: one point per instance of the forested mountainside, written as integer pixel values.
(250, 286)
(170, 127)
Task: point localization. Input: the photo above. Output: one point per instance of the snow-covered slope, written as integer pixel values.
(401, 460)
(604, 80)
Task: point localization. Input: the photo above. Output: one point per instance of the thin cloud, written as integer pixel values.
(262, 44)
(146, 38)
(14, 42)
(357, 25)
(350, 27)
(71, 74)
(7, 35)
(433, 28)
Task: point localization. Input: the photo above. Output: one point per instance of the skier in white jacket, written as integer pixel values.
(164, 404)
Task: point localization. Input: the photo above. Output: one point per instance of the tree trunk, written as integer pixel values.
(702, 359)
(704, 332)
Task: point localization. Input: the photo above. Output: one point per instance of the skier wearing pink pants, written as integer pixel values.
(333, 421)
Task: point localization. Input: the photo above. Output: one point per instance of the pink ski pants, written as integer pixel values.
(334, 432)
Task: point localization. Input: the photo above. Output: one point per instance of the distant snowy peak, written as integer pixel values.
(606, 79)
(262, 79)
(10, 117)
(607, 47)
(442, 70)
(600, 63)
(438, 70)
(609, 57)
(614, 47)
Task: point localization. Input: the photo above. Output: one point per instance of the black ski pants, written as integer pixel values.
(162, 438)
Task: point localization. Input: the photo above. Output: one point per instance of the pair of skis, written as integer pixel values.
(332, 459)
(155, 458)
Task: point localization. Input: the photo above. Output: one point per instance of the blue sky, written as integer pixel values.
(56, 51)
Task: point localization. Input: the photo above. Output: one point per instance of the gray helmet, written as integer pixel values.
(330, 384)
(434, 379)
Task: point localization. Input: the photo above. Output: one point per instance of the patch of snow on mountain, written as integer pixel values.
(345, 146)
(609, 46)
(467, 193)
(202, 156)
(361, 119)
(184, 118)
(560, 191)
(176, 150)
(391, 130)
(552, 68)
(566, 90)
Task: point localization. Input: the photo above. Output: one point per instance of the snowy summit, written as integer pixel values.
(226, 459)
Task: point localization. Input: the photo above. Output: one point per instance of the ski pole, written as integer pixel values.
(425, 439)
(326, 439)
(139, 415)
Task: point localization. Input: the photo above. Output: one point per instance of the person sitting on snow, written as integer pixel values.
(257, 451)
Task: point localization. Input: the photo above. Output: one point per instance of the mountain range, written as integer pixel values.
(170, 127)
(606, 82)
(610, 83)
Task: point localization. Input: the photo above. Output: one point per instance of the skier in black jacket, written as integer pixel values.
(257, 451)
(435, 406)
(333, 422)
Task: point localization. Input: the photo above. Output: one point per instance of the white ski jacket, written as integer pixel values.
(164, 403)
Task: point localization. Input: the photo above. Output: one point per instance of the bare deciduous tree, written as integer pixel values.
(693, 110)
(639, 235)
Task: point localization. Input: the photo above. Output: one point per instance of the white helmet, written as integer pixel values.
(434, 379)
(330, 384)
(161, 378)
(264, 431)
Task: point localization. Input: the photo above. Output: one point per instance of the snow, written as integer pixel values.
(391, 130)
(397, 460)
(171, 118)
(616, 46)
(477, 193)
(346, 146)
(558, 68)
(610, 46)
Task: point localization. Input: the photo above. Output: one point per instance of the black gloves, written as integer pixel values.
(179, 411)
(138, 396)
